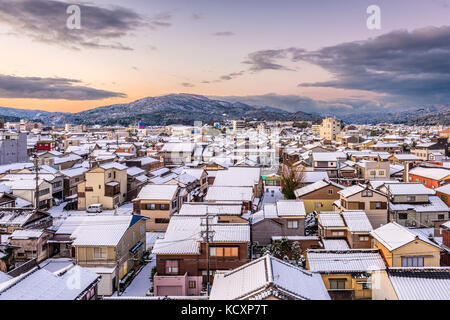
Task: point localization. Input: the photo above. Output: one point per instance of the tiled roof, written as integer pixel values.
(421, 283)
(345, 261)
(268, 276)
(357, 221)
(331, 219)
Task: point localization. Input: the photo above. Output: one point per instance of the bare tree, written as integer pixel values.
(291, 179)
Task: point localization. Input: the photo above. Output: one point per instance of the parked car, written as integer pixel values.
(95, 208)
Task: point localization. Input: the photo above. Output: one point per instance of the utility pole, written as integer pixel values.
(36, 191)
(207, 253)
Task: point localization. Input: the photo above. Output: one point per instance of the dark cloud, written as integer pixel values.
(268, 59)
(50, 88)
(187, 85)
(45, 21)
(400, 63)
(404, 66)
(232, 75)
(293, 103)
(223, 34)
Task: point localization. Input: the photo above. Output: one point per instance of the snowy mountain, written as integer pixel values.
(164, 110)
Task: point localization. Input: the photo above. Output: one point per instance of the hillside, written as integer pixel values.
(163, 110)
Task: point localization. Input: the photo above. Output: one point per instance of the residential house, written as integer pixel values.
(346, 273)
(283, 218)
(181, 256)
(430, 177)
(26, 189)
(358, 229)
(319, 196)
(136, 179)
(243, 195)
(362, 197)
(158, 203)
(268, 278)
(402, 158)
(105, 185)
(444, 194)
(226, 213)
(241, 177)
(145, 163)
(331, 225)
(414, 205)
(7, 200)
(30, 244)
(402, 247)
(411, 284)
(72, 178)
(425, 150)
(16, 218)
(177, 153)
(42, 284)
(445, 255)
(372, 170)
(109, 245)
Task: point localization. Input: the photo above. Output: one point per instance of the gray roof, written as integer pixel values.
(421, 283)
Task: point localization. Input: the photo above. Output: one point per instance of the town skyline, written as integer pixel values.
(295, 54)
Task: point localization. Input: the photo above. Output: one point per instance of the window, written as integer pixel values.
(163, 206)
(100, 253)
(441, 216)
(337, 284)
(363, 238)
(378, 205)
(192, 284)
(330, 191)
(381, 172)
(224, 252)
(411, 198)
(318, 205)
(174, 203)
(161, 220)
(150, 206)
(367, 193)
(403, 216)
(172, 267)
(44, 192)
(412, 261)
(89, 189)
(292, 224)
(372, 172)
(337, 233)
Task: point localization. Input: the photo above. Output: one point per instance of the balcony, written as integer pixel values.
(112, 189)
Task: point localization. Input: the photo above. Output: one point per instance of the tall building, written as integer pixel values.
(329, 128)
(13, 147)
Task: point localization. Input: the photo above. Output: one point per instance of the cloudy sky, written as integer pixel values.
(294, 54)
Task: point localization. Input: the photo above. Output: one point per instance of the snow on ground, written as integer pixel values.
(141, 283)
(151, 238)
(271, 195)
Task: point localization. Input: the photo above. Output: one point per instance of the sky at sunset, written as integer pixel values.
(293, 53)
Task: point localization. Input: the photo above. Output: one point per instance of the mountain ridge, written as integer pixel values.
(163, 110)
